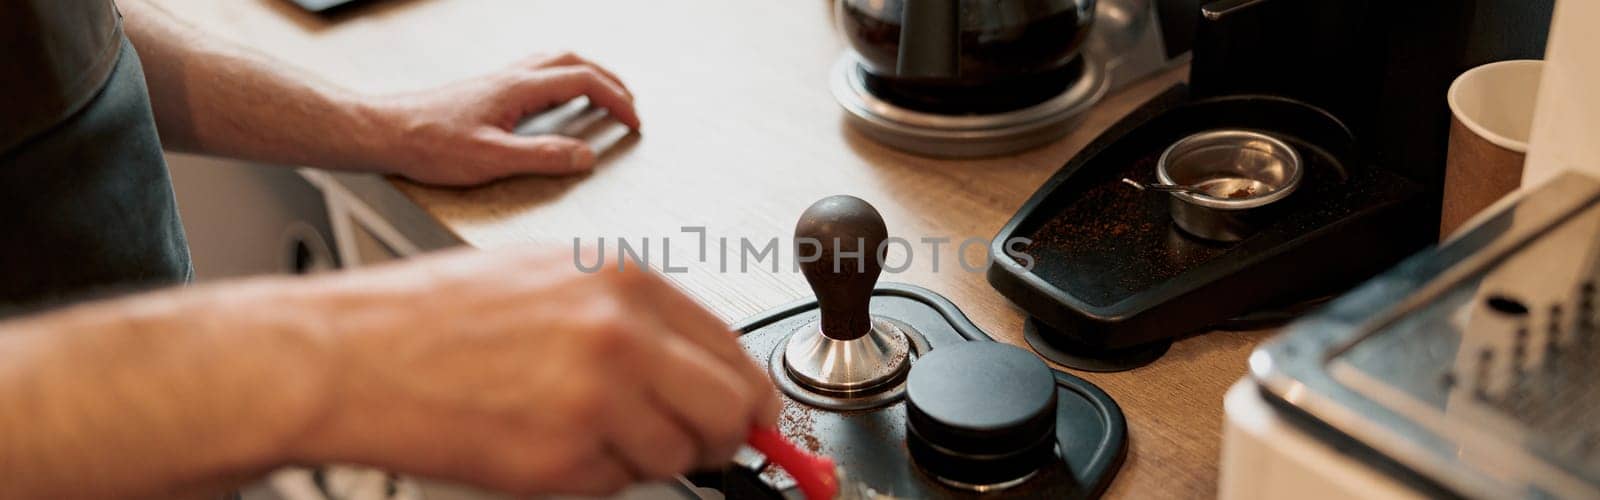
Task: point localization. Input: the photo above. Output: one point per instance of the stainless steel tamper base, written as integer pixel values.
(875, 360)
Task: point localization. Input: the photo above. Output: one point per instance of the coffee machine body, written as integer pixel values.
(1381, 67)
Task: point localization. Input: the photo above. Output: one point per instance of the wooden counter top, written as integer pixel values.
(740, 135)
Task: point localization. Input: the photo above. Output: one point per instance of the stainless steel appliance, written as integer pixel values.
(1470, 369)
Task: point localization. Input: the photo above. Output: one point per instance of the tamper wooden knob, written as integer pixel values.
(839, 242)
(846, 235)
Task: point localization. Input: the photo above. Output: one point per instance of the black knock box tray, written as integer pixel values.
(1111, 271)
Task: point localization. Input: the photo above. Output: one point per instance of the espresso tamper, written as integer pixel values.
(847, 351)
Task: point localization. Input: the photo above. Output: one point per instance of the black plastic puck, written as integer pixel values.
(981, 413)
(1063, 350)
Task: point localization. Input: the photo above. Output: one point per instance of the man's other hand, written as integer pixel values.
(462, 134)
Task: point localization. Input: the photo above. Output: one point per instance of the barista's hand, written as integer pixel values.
(518, 372)
(461, 134)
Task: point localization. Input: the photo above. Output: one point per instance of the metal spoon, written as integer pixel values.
(1163, 188)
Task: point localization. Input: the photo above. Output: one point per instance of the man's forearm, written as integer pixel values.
(153, 396)
(212, 96)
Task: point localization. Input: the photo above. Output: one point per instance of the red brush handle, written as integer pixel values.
(815, 474)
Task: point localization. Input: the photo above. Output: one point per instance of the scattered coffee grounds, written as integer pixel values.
(1110, 242)
(1105, 243)
(1244, 192)
(795, 423)
(773, 475)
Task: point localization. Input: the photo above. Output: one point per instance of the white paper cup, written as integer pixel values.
(1491, 108)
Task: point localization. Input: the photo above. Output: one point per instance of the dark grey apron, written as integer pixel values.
(89, 208)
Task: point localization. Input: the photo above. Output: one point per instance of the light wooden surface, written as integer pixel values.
(740, 135)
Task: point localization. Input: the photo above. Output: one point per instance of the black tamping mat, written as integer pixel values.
(870, 445)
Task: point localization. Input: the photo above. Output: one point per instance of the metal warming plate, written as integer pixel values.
(964, 136)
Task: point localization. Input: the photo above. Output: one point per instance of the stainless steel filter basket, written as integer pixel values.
(1239, 174)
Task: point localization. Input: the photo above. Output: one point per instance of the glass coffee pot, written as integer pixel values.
(967, 56)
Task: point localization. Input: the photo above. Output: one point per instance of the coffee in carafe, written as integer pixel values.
(967, 56)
